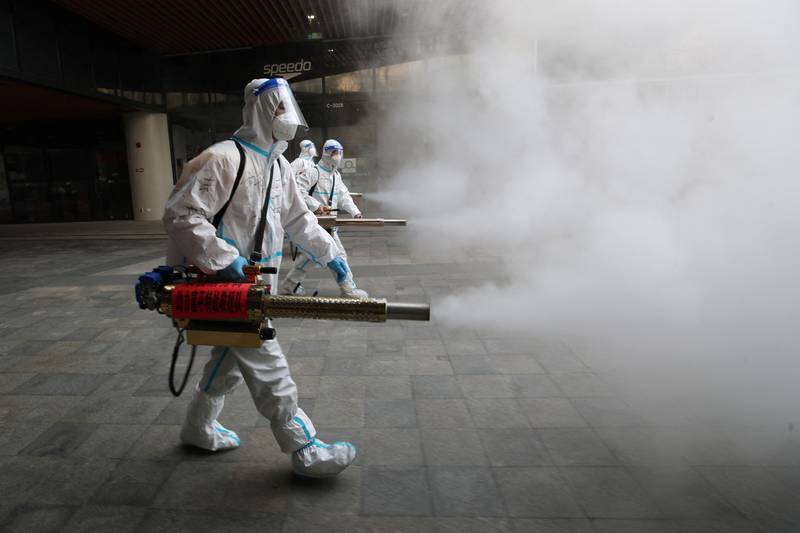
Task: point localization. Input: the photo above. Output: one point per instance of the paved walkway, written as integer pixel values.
(458, 431)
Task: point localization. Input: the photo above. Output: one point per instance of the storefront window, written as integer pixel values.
(359, 81)
(307, 86)
(395, 77)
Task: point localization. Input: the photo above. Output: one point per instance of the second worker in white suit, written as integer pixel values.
(325, 193)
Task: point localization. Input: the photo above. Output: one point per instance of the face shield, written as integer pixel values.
(333, 152)
(281, 97)
(270, 114)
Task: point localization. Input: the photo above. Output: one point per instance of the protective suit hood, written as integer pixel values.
(331, 147)
(307, 150)
(261, 99)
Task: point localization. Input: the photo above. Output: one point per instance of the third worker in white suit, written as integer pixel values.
(325, 192)
(305, 162)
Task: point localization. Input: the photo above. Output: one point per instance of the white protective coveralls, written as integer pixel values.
(305, 161)
(203, 188)
(328, 189)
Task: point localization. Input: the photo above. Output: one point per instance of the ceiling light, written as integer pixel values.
(311, 17)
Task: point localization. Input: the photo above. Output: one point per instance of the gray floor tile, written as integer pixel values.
(634, 526)
(465, 491)
(61, 439)
(93, 518)
(345, 366)
(308, 348)
(342, 387)
(537, 492)
(72, 481)
(122, 384)
(133, 410)
(509, 345)
(39, 519)
(424, 348)
(551, 413)
(517, 364)
(395, 492)
(577, 384)
(609, 492)
(436, 387)
(61, 384)
(560, 360)
(194, 485)
(607, 412)
(16, 436)
(486, 386)
(757, 493)
(392, 447)
(9, 382)
(174, 413)
(552, 525)
(307, 366)
(389, 388)
(514, 447)
(473, 525)
(429, 366)
(340, 495)
(336, 413)
(177, 521)
(390, 414)
(324, 523)
(447, 447)
(133, 483)
(497, 413)
(741, 525)
(161, 443)
(442, 414)
(576, 446)
(681, 492)
(473, 364)
(644, 446)
(461, 347)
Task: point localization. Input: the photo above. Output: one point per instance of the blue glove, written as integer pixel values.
(234, 271)
(339, 267)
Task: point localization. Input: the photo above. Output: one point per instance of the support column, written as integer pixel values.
(178, 148)
(149, 163)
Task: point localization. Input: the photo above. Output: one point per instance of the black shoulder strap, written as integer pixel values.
(314, 187)
(255, 257)
(221, 212)
(333, 189)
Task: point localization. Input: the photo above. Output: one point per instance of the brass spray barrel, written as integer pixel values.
(328, 308)
(330, 221)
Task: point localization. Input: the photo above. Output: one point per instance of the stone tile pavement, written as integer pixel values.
(458, 431)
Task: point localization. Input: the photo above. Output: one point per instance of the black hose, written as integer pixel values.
(180, 340)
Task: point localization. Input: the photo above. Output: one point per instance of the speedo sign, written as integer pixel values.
(287, 70)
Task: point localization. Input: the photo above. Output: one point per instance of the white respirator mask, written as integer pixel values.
(282, 129)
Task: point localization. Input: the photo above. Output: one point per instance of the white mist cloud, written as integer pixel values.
(635, 164)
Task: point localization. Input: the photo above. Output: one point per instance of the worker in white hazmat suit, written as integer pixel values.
(305, 160)
(212, 218)
(325, 192)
